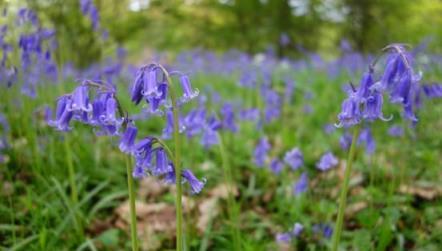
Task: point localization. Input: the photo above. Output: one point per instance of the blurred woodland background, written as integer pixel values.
(287, 27)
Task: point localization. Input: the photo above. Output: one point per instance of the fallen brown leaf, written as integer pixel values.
(424, 192)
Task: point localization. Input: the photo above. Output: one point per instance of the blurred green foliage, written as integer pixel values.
(248, 25)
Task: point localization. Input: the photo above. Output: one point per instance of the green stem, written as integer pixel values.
(133, 216)
(177, 143)
(344, 190)
(177, 162)
(71, 171)
(232, 207)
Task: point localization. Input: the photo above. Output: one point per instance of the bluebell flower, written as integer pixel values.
(109, 116)
(228, 116)
(195, 185)
(402, 91)
(283, 238)
(139, 171)
(162, 164)
(26, 15)
(150, 83)
(325, 229)
(137, 88)
(276, 166)
(398, 80)
(390, 72)
(63, 115)
(408, 112)
(80, 99)
(142, 152)
(128, 139)
(188, 93)
(194, 121)
(351, 113)
(294, 158)
(327, 161)
(367, 81)
(396, 131)
(301, 185)
(297, 229)
(261, 150)
(98, 108)
(170, 177)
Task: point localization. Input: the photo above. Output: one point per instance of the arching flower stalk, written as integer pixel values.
(365, 103)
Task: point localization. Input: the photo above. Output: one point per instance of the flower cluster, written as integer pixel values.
(152, 84)
(398, 80)
(36, 45)
(102, 113)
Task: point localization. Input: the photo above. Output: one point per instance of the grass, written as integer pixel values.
(40, 211)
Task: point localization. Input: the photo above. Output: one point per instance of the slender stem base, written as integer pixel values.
(71, 171)
(132, 212)
(177, 152)
(231, 204)
(344, 191)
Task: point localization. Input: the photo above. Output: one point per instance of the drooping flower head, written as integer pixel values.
(151, 84)
(63, 115)
(398, 81)
(195, 185)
